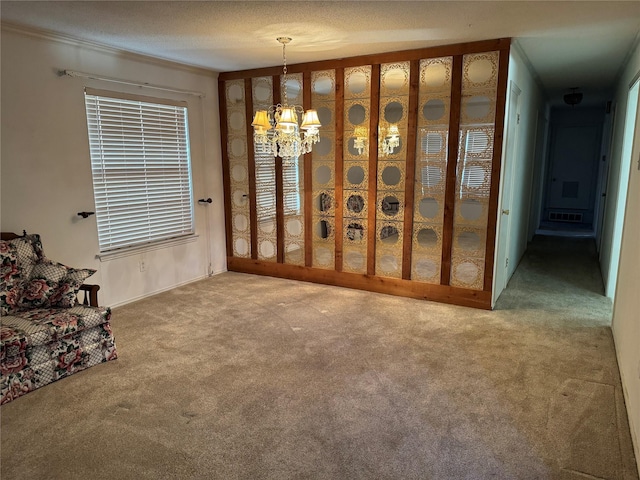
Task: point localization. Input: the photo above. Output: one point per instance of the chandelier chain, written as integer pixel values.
(284, 72)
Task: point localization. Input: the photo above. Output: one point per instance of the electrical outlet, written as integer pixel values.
(142, 264)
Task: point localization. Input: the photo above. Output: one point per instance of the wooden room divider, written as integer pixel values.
(400, 194)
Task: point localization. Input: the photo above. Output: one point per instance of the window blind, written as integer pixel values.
(266, 186)
(478, 151)
(141, 169)
(291, 181)
(431, 176)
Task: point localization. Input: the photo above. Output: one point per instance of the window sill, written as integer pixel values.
(138, 249)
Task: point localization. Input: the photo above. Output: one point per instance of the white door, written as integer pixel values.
(502, 267)
(574, 166)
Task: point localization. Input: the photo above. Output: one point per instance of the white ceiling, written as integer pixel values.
(568, 43)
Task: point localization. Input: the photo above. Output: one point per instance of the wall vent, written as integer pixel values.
(565, 217)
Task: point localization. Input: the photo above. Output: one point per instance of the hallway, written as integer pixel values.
(560, 275)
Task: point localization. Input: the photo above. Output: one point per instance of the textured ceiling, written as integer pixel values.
(568, 43)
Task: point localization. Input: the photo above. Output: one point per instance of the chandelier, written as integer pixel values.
(276, 131)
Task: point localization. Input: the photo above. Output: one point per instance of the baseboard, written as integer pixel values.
(566, 233)
(161, 290)
(465, 297)
(635, 435)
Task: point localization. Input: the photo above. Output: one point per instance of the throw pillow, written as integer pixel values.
(29, 250)
(52, 284)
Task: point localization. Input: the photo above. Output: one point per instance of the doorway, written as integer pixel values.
(572, 173)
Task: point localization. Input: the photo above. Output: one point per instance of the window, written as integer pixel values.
(141, 168)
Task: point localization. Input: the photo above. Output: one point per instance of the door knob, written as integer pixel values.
(505, 212)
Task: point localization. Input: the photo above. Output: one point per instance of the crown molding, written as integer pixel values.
(127, 54)
(625, 62)
(525, 59)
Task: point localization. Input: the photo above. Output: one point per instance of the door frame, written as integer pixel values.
(631, 120)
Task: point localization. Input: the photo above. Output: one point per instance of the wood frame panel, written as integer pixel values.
(393, 286)
(226, 174)
(251, 161)
(308, 180)
(369, 281)
(452, 162)
(277, 94)
(409, 186)
(338, 168)
(374, 114)
(375, 59)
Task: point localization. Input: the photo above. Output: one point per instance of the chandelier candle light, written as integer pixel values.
(276, 131)
(360, 139)
(391, 140)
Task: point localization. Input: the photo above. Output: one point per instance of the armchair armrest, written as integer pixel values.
(9, 235)
(90, 294)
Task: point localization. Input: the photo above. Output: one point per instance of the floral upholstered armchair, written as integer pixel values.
(45, 333)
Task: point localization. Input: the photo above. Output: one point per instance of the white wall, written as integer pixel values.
(626, 319)
(45, 169)
(531, 103)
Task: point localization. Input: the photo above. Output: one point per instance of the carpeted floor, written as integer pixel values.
(248, 377)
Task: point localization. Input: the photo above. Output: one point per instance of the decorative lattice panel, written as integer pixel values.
(434, 103)
(392, 153)
(238, 168)
(293, 185)
(357, 109)
(262, 91)
(323, 87)
(473, 173)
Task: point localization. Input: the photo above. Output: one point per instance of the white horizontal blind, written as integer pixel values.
(477, 151)
(291, 180)
(265, 186)
(141, 170)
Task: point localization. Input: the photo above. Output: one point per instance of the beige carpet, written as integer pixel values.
(248, 377)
